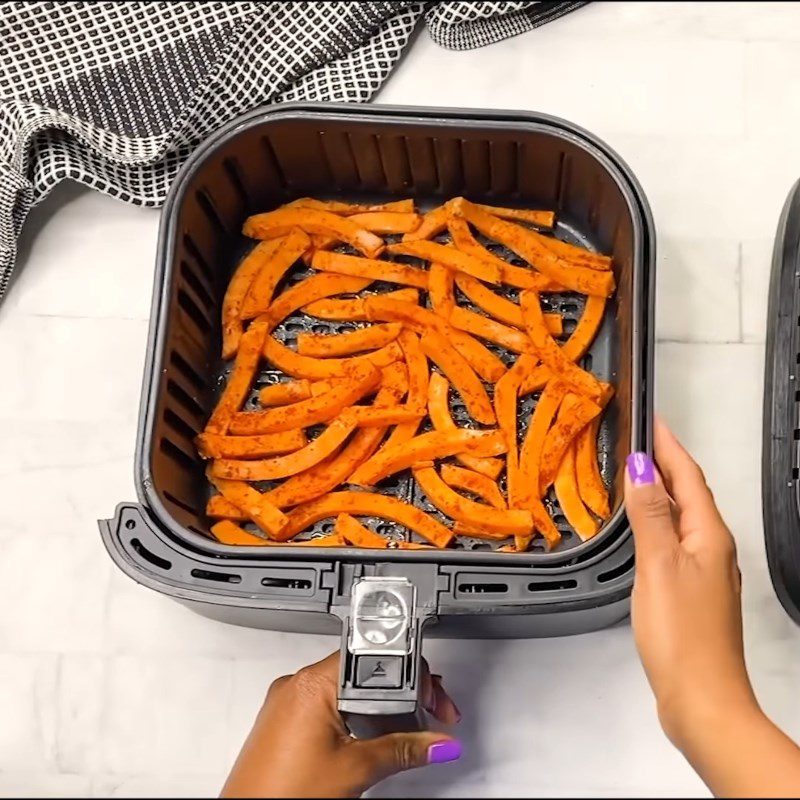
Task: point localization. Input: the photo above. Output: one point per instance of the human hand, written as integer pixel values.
(686, 606)
(299, 745)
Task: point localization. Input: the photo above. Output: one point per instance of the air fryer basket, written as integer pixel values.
(276, 154)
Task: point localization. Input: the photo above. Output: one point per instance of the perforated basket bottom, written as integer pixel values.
(569, 304)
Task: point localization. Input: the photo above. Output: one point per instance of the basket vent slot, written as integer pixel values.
(272, 162)
(186, 369)
(617, 572)
(193, 310)
(552, 586)
(194, 251)
(197, 285)
(483, 588)
(286, 583)
(150, 557)
(209, 209)
(175, 391)
(231, 166)
(179, 425)
(219, 577)
(174, 452)
(180, 503)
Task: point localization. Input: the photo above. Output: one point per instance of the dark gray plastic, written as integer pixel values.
(376, 152)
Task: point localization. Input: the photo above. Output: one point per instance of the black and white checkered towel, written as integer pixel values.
(115, 95)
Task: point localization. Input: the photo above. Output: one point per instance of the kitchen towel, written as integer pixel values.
(116, 95)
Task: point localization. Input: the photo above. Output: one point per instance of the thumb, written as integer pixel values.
(649, 508)
(397, 752)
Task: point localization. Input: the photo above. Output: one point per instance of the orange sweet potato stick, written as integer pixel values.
(477, 532)
(491, 520)
(520, 277)
(283, 466)
(360, 379)
(367, 504)
(314, 288)
(252, 264)
(544, 219)
(318, 369)
(469, 481)
(574, 414)
(372, 417)
(576, 346)
(417, 371)
(568, 496)
(344, 344)
(550, 353)
(427, 447)
(281, 221)
(320, 387)
(524, 243)
(440, 289)
(259, 295)
(574, 254)
(439, 412)
(461, 375)
(281, 394)
(239, 381)
(371, 268)
(252, 502)
(353, 309)
(218, 507)
(433, 223)
(348, 209)
(450, 257)
(590, 483)
(212, 445)
(228, 532)
(353, 532)
(498, 307)
(387, 221)
(336, 469)
(486, 364)
(491, 330)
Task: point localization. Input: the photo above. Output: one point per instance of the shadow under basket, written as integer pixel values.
(371, 154)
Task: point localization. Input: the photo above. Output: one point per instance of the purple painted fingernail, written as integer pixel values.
(641, 469)
(442, 752)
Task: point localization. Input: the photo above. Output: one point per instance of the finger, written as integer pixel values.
(397, 752)
(648, 507)
(445, 710)
(685, 480)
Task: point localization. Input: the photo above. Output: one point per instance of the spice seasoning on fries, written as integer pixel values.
(423, 303)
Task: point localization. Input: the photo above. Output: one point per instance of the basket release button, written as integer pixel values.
(382, 672)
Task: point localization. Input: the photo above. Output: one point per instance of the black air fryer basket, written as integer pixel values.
(378, 153)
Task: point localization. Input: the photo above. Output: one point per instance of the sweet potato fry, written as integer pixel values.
(240, 379)
(508, 522)
(450, 257)
(387, 221)
(252, 502)
(212, 445)
(550, 353)
(371, 268)
(285, 392)
(524, 243)
(574, 414)
(440, 289)
(477, 532)
(575, 255)
(283, 466)
(259, 295)
(469, 481)
(461, 375)
(426, 447)
(318, 369)
(544, 219)
(320, 387)
(218, 507)
(314, 288)
(348, 209)
(311, 220)
(488, 367)
(491, 330)
(367, 504)
(227, 532)
(372, 417)
(353, 532)
(433, 223)
(439, 412)
(520, 277)
(251, 265)
(353, 309)
(576, 346)
(344, 344)
(590, 483)
(501, 309)
(336, 469)
(566, 486)
(359, 380)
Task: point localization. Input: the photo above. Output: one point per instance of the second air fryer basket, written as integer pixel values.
(274, 156)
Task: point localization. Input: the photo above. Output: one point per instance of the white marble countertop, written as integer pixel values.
(107, 688)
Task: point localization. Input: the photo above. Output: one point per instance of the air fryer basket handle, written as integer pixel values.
(380, 680)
